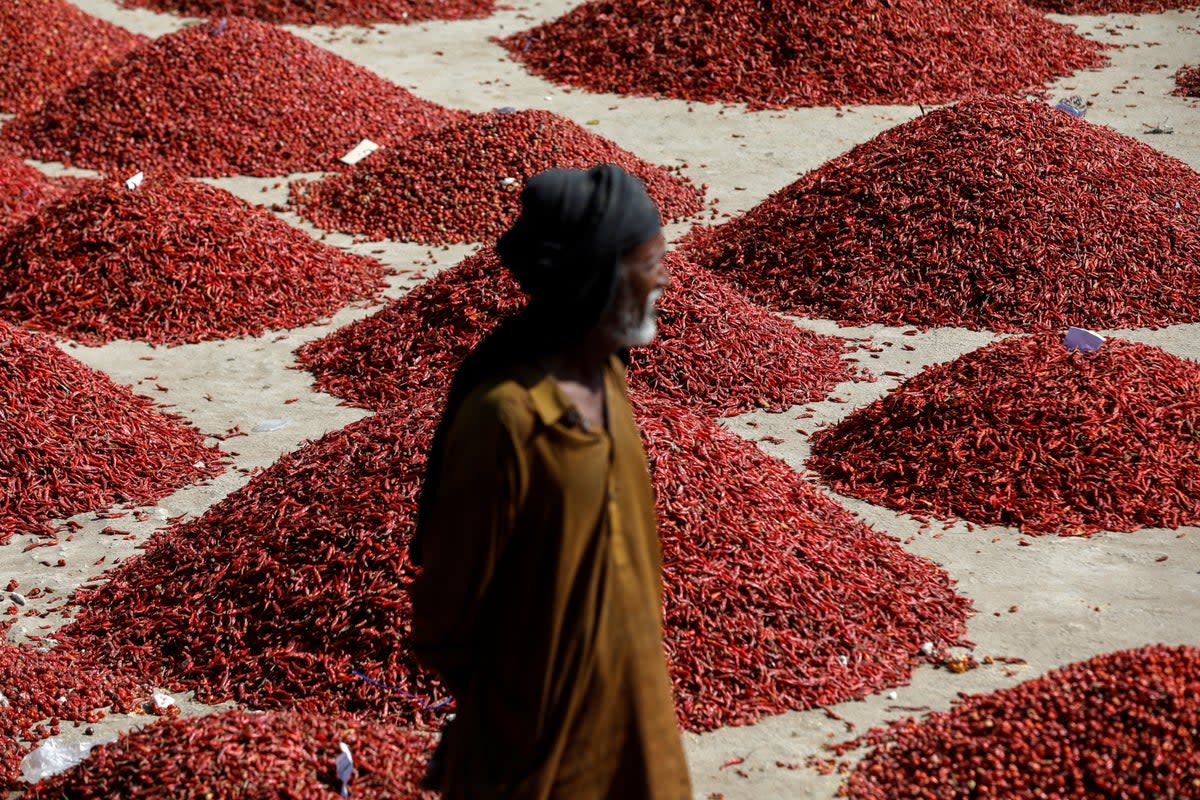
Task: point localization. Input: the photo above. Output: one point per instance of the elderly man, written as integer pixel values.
(540, 597)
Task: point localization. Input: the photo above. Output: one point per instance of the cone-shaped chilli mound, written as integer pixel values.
(250, 756)
(777, 598)
(169, 262)
(804, 52)
(40, 685)
(50, 45)
(280, 593)
(1026, 433)
(71, 440)
(994, 213)
(1187, 81)
(290, 592)
(714, 350)
(1120, 725)
(463, 184)
(23, 190)
(1109, 6)
(328, 12)
(230, 97)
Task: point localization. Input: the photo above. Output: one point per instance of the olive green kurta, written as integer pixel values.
(540, 602)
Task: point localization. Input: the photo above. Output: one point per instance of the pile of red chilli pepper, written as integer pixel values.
(1028, 434)
(289, 593)
(71, 440)
(463, 183)
(804, 52)
(1120, 725)
(715, 351)
(232, 96)
(171, 261)
(285, 756)
(30, 71)
(1068, 224)
(327, 12)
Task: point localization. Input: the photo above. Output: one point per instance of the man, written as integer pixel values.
(540, 598)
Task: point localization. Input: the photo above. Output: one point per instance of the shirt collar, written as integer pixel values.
(549, 402)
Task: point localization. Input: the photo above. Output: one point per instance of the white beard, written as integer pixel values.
(638, 328)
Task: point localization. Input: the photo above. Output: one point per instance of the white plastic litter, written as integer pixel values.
(135, 181)
(54, 756)
(359, 152)
(927, 649)
(345, 767)
(271, 425)
(1082, 339)
(162, 700)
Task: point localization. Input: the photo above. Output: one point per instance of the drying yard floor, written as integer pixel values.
(1073, 598)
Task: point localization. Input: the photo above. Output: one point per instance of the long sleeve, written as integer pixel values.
(483, 478)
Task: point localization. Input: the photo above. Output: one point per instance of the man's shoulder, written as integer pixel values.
(504, 400)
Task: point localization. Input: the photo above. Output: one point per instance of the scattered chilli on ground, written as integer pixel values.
(42, 689)
(172, 261)
(230, 97)
(23, 190)
(320, 541)
(804, 53)
(1187, 81)
(281, 591)
(777, 598)
(329, 12)
(272, 756)
(50, 45)
(1123, 724)
(1028, 434)
(715, 351)
(463, 184)
(71, 440)
(994, 213)
(1109, 6)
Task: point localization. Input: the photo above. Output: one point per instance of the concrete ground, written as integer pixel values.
(1076, 597)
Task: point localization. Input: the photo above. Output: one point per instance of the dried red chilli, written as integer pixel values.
(250, 756)
(71, 440)
(285, 588)
(172, 261)
(1187, 81)
(1108, 6)
(40, 686)
(803, 52)
(777, 598)
(715, 351)
(229, 97)
(1120, 725)
(994, 213)
(327, 12)
(50, 45)
(1027, 434)
(23, 190)
(463, 183)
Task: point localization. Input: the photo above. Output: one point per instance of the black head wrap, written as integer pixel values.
(563, 250)
(573, 229)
